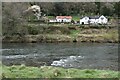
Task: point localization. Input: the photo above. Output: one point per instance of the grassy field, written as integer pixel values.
(76, 18)
(50, 17)
(54, 72)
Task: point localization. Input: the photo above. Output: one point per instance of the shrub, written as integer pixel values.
(32, 30)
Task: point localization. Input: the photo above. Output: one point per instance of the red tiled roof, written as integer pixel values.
(63, 17)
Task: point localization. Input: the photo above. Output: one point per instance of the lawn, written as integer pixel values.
(23, 71)
(76, 18)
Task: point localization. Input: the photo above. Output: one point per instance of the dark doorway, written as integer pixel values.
(82, 23)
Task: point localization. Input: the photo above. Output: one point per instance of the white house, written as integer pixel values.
(63, 18)
(84, 20)
(102, 20)
(94, 20)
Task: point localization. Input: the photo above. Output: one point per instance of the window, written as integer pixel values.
(85, 18)
(102, 18)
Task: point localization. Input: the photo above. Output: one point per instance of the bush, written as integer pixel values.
(32, 30)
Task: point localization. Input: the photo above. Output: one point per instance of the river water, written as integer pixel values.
(67, 55)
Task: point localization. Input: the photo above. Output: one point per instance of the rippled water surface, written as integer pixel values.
(77, 55)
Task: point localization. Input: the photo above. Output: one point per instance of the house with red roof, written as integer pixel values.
(63, 18)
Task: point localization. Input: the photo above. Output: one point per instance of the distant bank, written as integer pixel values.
(65, 33)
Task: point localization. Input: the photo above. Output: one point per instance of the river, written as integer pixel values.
(102, 56)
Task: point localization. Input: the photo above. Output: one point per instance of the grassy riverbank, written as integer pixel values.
(54, 72)
(64, 33)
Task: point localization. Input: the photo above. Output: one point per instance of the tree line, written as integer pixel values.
(80, 8)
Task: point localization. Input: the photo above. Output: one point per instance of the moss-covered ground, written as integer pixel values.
(23, 71)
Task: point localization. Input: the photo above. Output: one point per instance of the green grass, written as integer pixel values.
(76, 18)
(112, 35)
(51, 17)
(54, 72)
(74, 33)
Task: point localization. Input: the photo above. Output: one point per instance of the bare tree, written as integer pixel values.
(12, 17)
